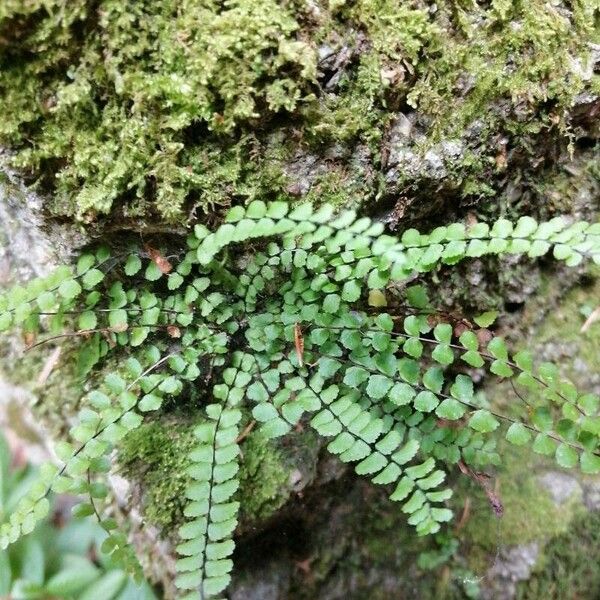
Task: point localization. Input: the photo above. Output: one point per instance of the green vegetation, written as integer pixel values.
(569, 569)
(315, 326)
(155, 110)
(58, 560)
(156, 455)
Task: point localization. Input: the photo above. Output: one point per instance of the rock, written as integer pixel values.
(591, 495)
(562, 487)
(511, 566)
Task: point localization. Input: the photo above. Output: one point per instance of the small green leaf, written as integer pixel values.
(138, 336)
(117, 319)
(401, 394)
(354, 376)
(566, 456)
(497, 348)
(69, 289)
(544, 444)
(132, 265)
(377, 299)
(351, 291)
(483, 421)
(87, 320)
(174, 281)
(542, 419)
(590, 463)
(378, 386)
(92, 278)
(416, 295)
(450, 409)
(433, 379)
(426, 401)
(462, 388)
(518, 434)
(152, 272)
(443, 354)
(331, 304)
(473, 358)
(443, 333)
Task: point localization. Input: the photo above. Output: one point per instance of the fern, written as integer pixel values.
(52, 562)
(296, 314)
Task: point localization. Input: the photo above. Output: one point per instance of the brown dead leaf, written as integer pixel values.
(484, 336)
(460, 328)
(246, 432)
(29, 338)
(464, 517)
(304, 565)
(161, 262)
(484, 481)
(173, 331)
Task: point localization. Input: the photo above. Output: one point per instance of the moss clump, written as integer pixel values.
(570, 565)
(156, 455)
(521, 52)
(113, 93)
(156, 108)
(264, 478)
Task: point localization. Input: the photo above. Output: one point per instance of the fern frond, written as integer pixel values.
(208, 536)
(297, 329)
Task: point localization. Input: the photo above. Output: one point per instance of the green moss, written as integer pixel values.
(518, 51)
(154, 109)
(264, 478)
(156, 455)
(570, 565)
(113, 94)
(565, 323)
(529, 511)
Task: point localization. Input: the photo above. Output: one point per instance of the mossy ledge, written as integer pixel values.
(158, 111)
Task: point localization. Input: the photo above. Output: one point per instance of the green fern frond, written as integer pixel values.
(279, 313)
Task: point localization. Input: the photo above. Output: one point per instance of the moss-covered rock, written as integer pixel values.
(569, 568)
(154, 459)
(155, 109)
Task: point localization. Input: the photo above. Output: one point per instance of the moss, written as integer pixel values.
(264, 478)
(156, 454)
(519, 51)
(565, 323)
(570, 565)
(113, 93)
(158, 109)
(529, 511)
